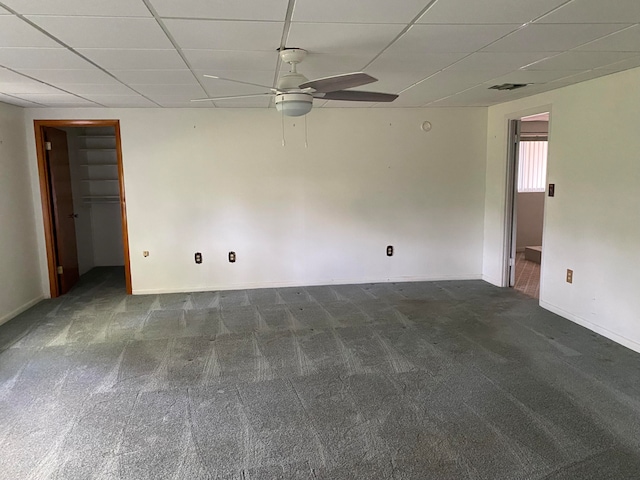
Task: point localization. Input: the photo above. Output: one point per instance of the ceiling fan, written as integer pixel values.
(294, 92)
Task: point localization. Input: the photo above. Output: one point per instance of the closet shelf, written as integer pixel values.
(99, 180)
(98, 164)
(96, 136)
(101, 199)
(97, 149)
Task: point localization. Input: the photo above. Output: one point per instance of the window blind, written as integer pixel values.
(532, 166)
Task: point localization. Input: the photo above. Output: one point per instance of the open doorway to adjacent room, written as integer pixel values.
(82, 192)
(529, 140)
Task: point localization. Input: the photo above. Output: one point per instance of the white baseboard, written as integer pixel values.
(5, 318)
(251, 286)
(622, 340)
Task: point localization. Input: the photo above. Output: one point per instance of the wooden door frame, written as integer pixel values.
(45, 194)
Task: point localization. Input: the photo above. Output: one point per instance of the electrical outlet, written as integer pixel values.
(232, 257)
(389, 250)
(198, 257)
(145, 253)
(569, 276)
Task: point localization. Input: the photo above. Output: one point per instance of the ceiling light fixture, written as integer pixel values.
(294, 104)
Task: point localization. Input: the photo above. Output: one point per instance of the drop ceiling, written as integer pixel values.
(154, 53)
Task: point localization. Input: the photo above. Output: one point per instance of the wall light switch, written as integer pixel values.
(390, 251)
(569, 276)
(552, 189)
(198, 257)
(232, 257)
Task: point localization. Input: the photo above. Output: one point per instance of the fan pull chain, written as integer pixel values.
(306, 143)
(283, 141)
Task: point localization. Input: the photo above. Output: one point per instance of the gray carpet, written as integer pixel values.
(442, 380)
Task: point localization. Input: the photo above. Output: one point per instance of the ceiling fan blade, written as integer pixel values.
(238, 81)
(230, 97)
(339, 82)
(358, 96)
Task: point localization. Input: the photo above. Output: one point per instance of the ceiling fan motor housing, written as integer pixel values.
(294, 104)
(291, 81)
(292, 55)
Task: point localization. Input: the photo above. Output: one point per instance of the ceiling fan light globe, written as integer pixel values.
(294, 104)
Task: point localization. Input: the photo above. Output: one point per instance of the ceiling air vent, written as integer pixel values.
(509, 86)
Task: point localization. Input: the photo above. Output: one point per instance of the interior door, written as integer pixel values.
(62, 208)
(512, 199)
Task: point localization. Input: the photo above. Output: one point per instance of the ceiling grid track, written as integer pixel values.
(404, 30)
(433, 53)
(480, 49)
(72, 50)
(164, 28)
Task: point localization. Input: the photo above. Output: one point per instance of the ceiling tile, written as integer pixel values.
(581, 77)
(116, 101)
(134, 59)
(222, 60)
(186, 92)
(342, 38)
(391, 82)
(159, 77)
(596, 11)
(173, 103)
(325, 62)
(232, 90)
(449, 38)
(627, 40)
(15, 32)
(479, 96)
(345, 104)
(41, 58)
(222, 9)
(624, 64)
(441, 85)
(253, 102)
(487, 11)
(57, 99)
(92, 75)
(532, 76)
(4, 11)
(26, 86)
(18, 101)
(105, 32)
(115, 8)
(575, 60)
(8, 76)
(551, 38)
(340, 11)
(84, 89)
(219, 87)
(220, 35)
(497, 61)
(426, 63)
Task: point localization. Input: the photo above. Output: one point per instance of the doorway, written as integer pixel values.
(83, 200)
(529, 139)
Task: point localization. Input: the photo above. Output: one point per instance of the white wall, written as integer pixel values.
(214, 180)
(19, 266)
(591, 225)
